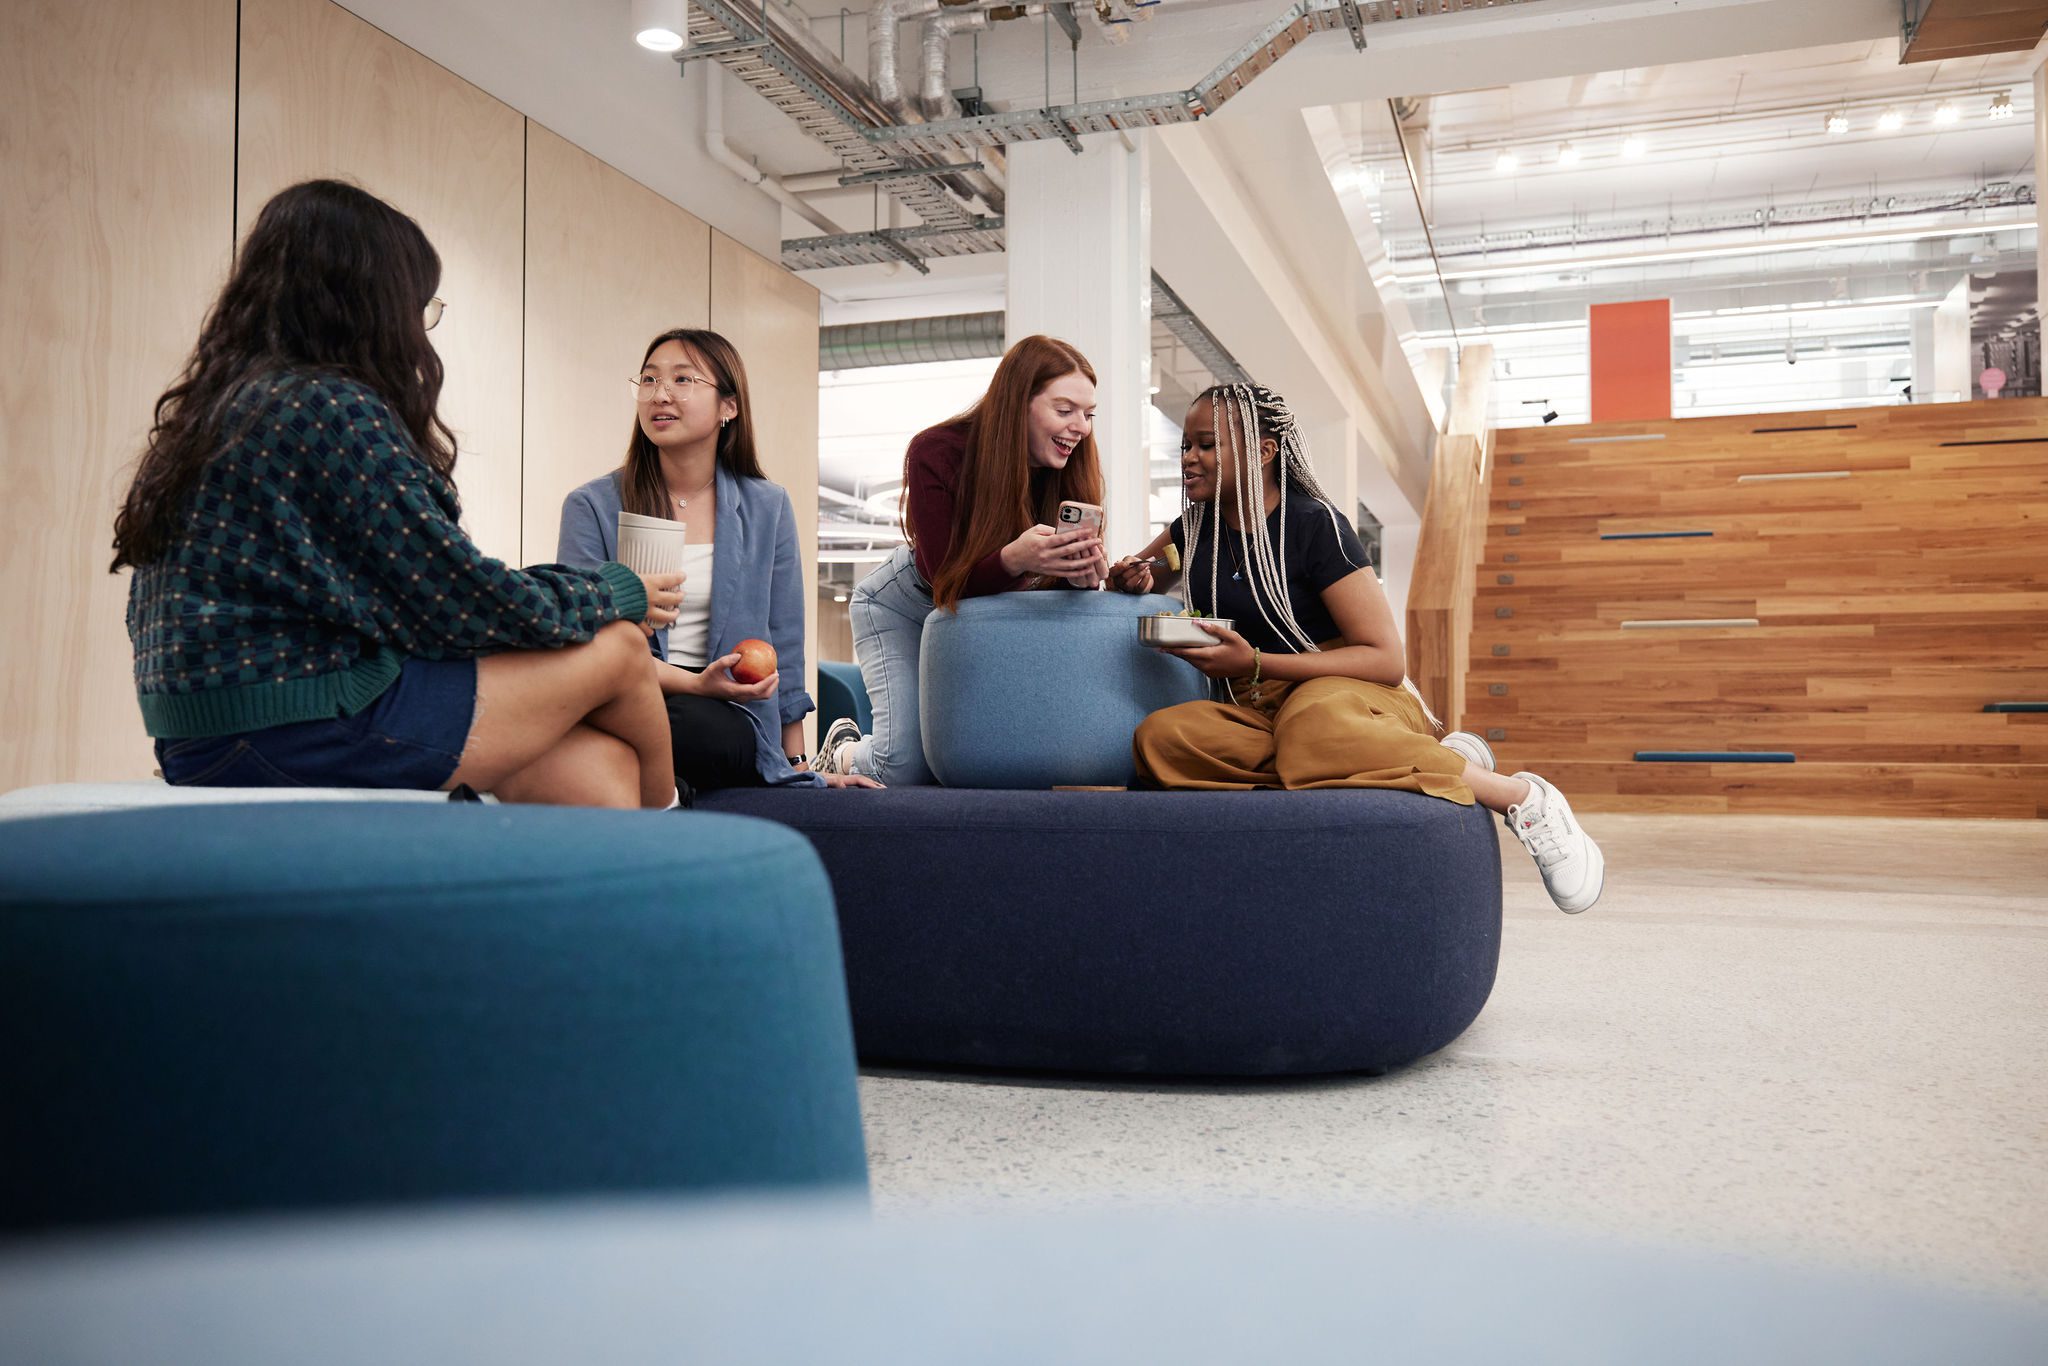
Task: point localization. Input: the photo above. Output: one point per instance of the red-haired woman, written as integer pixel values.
(981, 494)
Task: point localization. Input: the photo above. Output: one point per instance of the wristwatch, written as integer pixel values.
(796, 760)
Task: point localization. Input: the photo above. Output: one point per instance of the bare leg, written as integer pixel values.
(528, 701)
(585, 768)
(1495, 791)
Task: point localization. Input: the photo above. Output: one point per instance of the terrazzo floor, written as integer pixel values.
(1820, 1039)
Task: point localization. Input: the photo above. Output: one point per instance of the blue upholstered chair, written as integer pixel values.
(1038, 690)
(211, 1009)
(841, 692)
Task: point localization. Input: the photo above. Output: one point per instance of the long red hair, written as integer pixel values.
(993, 504)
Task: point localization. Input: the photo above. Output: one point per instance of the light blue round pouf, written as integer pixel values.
(1037, 690)
(214, 1010)
(661, 1282)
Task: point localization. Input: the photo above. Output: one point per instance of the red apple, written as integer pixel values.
(757, 661)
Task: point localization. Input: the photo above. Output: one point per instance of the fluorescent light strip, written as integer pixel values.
(1587, 263)
(1787, 478)
(1681, 624)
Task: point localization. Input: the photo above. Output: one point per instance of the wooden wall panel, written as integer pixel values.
(610, 265)
(772, 317)
(1892, 557)
(116, 171)
(325, 94)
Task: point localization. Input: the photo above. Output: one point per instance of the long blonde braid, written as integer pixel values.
(1254, 413)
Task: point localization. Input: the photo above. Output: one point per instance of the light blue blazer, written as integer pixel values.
(757, 590)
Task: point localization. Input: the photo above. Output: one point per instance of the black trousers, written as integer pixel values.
(713, 744)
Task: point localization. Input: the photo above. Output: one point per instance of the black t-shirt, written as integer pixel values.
(1321, 549)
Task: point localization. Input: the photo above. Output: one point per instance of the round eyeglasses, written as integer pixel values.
(436, 306)
(649, 387)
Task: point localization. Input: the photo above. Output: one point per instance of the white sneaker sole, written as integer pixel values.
(1582, 902)
(1487, 761)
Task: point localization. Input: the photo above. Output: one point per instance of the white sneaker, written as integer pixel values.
(1471, 746)
(1573, 868)
(840, 738)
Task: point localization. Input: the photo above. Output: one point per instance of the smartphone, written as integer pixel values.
(1074, 516)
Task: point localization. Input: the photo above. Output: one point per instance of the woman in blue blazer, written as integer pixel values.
(692, 460)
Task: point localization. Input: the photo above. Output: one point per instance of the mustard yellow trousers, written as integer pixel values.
(1325, 732)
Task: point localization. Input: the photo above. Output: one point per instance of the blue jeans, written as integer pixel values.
(887, 613)
(411, 736)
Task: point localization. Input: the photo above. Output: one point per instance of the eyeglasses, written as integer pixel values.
(649, 387)
(436, 306)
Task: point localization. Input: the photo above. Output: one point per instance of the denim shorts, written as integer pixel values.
(410, 737)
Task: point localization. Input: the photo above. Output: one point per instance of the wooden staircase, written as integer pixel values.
(1898, 584)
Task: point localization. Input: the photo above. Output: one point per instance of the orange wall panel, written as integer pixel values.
(1630, 361)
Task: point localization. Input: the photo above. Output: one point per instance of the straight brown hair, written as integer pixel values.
(642, 489)
(992, 506)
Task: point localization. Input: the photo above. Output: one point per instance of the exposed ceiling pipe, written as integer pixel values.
(935, 93)
(715, 145)
(935, 98)
(911, 341)
(883, 73)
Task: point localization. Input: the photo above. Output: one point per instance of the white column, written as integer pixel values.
(1941, 349)
(2041, 207)
(1080, 269)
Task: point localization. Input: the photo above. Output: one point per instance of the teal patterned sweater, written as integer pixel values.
(319, 552)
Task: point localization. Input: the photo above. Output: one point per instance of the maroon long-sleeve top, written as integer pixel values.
(932, 484)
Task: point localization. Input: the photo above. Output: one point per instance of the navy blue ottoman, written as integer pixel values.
(1156, 933)
(225, 1009)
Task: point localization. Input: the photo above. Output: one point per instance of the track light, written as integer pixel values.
(1507, 163)
(1947, 113)
(2001, 105)
(1633, 146)
(1837, 123)
(1550, 417)
(1890, 121)
(1567, 155)
(661, 25)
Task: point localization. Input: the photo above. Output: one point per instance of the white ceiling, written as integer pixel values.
(1726, 132)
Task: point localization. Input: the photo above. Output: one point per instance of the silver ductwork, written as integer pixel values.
(935, 91)
(911, 341)
(980, 336)
(931, 126)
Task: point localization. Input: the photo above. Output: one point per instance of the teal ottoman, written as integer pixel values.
(209, 1010)
(1038, 690)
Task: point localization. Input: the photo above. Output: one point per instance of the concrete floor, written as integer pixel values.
(1812, 1038)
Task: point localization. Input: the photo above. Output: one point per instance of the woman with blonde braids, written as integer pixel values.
(1313, 674)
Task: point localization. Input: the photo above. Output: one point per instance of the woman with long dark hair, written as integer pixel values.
(691, 459)
(981, 496)
(306, 608)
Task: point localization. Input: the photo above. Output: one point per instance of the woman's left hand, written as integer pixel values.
(1229, 657)
(849, 780)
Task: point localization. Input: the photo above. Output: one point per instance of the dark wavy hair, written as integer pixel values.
(331, 279)
(644, 490)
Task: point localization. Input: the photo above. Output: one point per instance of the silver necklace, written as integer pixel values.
(682, 502)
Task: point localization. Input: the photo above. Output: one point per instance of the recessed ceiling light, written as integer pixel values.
(2001, 105)
(1633, 146)
(661, 25)
(1507, 163)
(1567, 155)
(1947, 113)
(1890, 121)
(1837, 124)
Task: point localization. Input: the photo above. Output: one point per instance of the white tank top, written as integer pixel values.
(690, 638)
